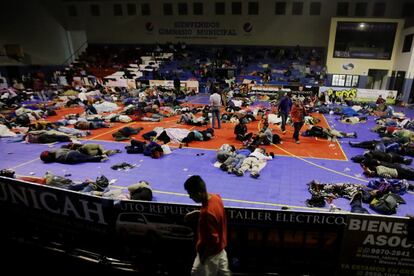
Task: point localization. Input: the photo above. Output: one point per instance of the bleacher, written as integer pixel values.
(263, 65)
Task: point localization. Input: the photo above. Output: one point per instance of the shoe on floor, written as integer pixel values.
(297, 142)
(407, 161)
(238, 173)
(255, 175)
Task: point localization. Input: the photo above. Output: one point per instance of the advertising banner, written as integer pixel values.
(266, 241)
(376, 246)
(359, 94)
(259, 241)
(55, 213)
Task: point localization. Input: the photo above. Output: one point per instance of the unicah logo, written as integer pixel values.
(149, 26)
(247, 27)
(348, 66)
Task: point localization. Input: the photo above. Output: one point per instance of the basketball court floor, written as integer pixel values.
(282, 182)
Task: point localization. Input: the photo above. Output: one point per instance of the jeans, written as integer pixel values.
(284, 117)
(235, 162)
(297, 126)
(215, 114)
(356, 207)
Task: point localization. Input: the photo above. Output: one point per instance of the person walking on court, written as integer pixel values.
(215, 103)
(298, 118)
(284, 108)
(211, 256)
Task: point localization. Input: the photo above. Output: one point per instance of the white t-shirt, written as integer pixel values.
(215, 100)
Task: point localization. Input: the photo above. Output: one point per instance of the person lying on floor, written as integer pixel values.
(401, 135)
(94, 124)
(234, 161)
(125, 132)
(224, 152)
(90, 149)
(47, 136)
(67, 156)
(390, 157)
(141, 113)
(190, 119)
(42, 125)
(353, 119)
(327, 133)
(152, 149)
(140, 191)
(89, 108)
(255, 162)
(373, 167)
(198, 135)
(382, 143)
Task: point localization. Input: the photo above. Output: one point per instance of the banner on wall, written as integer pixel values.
(55, 213)
(195, 29)
(376, 246)
(359, 94)
(259, 241)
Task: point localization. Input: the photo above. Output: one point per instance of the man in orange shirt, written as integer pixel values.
(298, 114)
(211, 232)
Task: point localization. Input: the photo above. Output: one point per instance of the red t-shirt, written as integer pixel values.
(212, 227)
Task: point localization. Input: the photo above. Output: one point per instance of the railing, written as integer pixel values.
(75, 53)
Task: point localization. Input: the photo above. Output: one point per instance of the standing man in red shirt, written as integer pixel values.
(211, 232)
(298, 114)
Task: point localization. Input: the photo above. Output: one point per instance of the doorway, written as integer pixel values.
(377, 79)
(411, 99)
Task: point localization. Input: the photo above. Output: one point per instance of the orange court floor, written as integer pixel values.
(310, 147)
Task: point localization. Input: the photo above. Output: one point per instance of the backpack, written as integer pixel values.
(387, 204)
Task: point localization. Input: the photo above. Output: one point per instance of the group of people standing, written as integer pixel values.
(297, 112)
(287, 107)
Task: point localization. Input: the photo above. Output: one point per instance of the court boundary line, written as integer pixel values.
(337, 142)
(241, 201)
